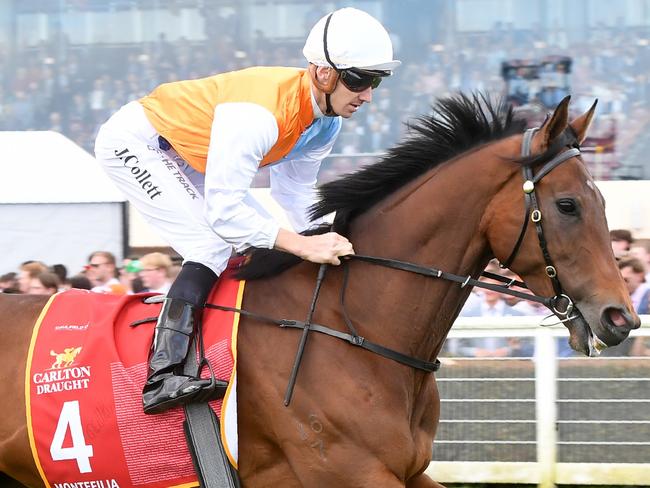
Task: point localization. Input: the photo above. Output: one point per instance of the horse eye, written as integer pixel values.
(567, 206)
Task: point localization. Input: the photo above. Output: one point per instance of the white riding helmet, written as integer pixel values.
(355, 39)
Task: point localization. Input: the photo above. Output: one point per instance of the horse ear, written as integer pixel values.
(555, 125)
(581, 125)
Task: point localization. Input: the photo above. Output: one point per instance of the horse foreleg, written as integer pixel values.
(423, 481)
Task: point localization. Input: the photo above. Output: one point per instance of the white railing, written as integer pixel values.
(542, 420)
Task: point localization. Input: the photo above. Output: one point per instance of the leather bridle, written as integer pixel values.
(534, 214)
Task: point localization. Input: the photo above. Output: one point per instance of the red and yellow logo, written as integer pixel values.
(66, 358)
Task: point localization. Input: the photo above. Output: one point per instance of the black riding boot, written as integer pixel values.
(167, 386)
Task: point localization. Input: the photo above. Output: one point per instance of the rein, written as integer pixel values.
(463, 280)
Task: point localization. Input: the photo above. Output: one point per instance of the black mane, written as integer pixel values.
(456, 125)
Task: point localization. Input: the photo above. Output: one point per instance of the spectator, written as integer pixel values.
(45, 283)
(80, 281)
(9, 283)
(29, 270)
(633, 273)
(641, 250)
(128, 275)
(102, 273)
(61, 272)
(522, 305)
(155, 272)
(492, 303)
(621, 242)
(73, 93)
(177, 264)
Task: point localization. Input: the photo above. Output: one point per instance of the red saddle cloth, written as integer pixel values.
(85, 371)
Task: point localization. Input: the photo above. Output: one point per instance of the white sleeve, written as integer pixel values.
(242, 133)
(293, 186)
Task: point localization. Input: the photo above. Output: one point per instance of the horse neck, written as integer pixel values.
(435, 221)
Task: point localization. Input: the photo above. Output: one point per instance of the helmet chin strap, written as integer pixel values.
(329, 112)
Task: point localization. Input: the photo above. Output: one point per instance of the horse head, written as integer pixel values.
(562, 247)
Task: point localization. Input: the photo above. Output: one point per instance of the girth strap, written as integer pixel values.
(203, 436)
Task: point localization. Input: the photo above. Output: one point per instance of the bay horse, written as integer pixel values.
(450, 196)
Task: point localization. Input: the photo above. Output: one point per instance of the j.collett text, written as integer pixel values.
(142, 176)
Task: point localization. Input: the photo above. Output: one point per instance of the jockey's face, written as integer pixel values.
(346, 102)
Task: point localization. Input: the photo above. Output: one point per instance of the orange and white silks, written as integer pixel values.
(194, 188)
(182, 112)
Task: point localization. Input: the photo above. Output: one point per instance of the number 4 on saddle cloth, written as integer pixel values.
(84, 376)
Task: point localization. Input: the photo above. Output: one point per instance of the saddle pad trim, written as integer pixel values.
(28, 375)
(233, 376)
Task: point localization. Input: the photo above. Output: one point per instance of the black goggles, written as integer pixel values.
(358, 80)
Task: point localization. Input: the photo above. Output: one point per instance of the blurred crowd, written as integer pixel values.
(74, 88)
(152, 272)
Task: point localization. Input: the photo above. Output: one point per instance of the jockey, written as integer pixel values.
(185, 155)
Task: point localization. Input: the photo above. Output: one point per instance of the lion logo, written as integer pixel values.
(66, 358)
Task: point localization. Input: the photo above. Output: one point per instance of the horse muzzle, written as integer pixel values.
(591, 333)
(615, 323)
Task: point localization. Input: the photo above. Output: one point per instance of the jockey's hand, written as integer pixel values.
(321, 248)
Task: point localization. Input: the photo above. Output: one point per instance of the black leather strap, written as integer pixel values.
(202, 431)
(532, 210)
(436, 273)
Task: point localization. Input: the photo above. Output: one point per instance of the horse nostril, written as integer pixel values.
(621, 318)
(616, 317)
